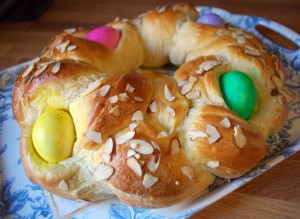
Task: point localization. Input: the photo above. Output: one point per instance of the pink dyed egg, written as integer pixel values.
(211, 19)
(107, 36)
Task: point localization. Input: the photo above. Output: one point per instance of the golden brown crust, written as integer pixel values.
(173, 152)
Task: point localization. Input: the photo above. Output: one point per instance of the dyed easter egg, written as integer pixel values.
(211, 19)
(107, 36)
(53, 135)
(239, 93)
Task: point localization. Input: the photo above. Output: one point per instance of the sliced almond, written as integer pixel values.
(241, 39)
(137, 115)
(129, 88)
(213, 164)
(153, 106)
(115, 111)
(94, 136)
(40, 71)
(194, 134)
(189, 85)
(192, 95)
(71, 48)
(162, 134)
(251, 51)
(103, 172)
(188, 171)
(63, 46)
(239, 137)
(154, 161)
(130, 153)
(35, 60)
(56, 67)
(177, 183)
(133, 126)
(123, 97)
(91, 87)
(207, 66)
(125, 137)
(144, 146)
(106, 158)
(149, 180)
(109, 146)
(174, 146)
(63, 185)
(170, 111)
(134, 165)
(138, 99)
(137, 156)
(168, 94)
(225, 123)
(104, 90)
(213, 134)
(28, 70)
(181, 83)
(70, 30)
(113, 99)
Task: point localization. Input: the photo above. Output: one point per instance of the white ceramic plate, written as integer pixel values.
(19, 198)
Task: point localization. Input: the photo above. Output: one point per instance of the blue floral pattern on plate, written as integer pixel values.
(19, 198)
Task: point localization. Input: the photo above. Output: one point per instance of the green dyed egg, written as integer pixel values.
(238, 92)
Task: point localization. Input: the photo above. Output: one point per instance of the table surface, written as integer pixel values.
(274, 194)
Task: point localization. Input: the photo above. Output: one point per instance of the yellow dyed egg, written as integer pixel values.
(53, 135)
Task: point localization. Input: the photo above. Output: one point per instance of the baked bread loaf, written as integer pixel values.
(97, 120)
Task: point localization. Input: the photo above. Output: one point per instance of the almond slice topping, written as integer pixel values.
(109, 146)
(123, 97)
(103, 172)
(115, 111)
(188, 171)
(239, 137)
(71, 48)
(153, 106)
(181, 83)
(113, 99)
(241, 39)
(91, 87)
(70, 30)
(170, 111)
(94, 136)
(63, 46)
(129, 88)
(133, 126)
(104, 90)
(168, 94)
(56, 67)
(144, 147)
(225, 123)
(138, 99)
(125, 137)
(251, 51)
(194, 134)
(154, 161)
(106, 158)
(174, 146)
(28, 70)
(162, 134)
(40, 71)
(130, 153)
(137, 115)
(213, 164)
(63, 185)
(149, 180)
(206, 66)
(213, 133)
(188, 86)
(193, 94)
(134, 165)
